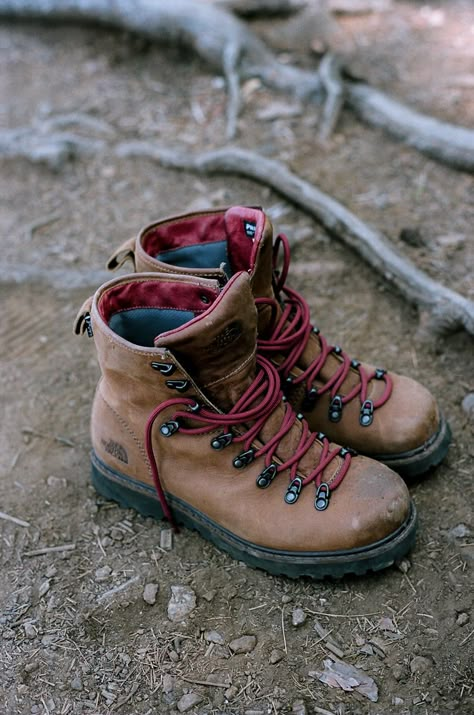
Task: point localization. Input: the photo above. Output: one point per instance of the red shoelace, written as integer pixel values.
(255, 406)
(289, 338)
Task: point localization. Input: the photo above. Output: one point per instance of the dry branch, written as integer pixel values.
(449, 311)
(211, 30)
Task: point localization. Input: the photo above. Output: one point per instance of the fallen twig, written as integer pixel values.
(43, 435)
(50, 550)
(117, 589)
(13, 519)
(40, 223)
(448, 310)
(195, 681)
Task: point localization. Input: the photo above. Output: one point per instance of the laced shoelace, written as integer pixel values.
(290, 336)
(254, 407)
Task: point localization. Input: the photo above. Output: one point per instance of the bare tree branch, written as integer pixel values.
(449, 311)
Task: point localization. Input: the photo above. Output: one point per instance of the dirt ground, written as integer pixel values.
(68, 645)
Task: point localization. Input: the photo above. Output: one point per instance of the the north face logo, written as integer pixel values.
(225, 338)
(250, 228)
(116, 450)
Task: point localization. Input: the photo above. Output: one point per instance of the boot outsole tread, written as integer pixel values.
(130, 493)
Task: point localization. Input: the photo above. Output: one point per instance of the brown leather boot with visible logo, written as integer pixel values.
(383, 415)
(188, 422)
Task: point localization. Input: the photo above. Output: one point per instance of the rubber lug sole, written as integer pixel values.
(421, 460)
(130, 493)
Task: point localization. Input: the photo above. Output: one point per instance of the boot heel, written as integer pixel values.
(123, 490)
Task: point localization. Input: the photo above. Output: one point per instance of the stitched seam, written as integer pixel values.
(125, 426)
(159, 307)
(233, 372)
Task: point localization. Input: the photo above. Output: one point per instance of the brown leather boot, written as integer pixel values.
(383, 415)
(189, 423)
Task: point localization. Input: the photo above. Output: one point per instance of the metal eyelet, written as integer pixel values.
(169, 428)
(205, 298)
(355, 364)
(379, 373)
(310, 399)
(335, 409)
(347, 450)
(165, 368)
(194, 408)
(321, 501)
(337, 350)
(366, 413)
(266, 477)
(178, 385)
(243, 459)
(294, 490)
(222, 440)
(321, 436)
(316, 330)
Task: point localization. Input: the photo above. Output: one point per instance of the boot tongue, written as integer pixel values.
(218, 348)
(250, 225)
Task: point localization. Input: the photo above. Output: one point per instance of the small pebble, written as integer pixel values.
(168, 683)
(420, 665)
(166, 539)
(404, 565)
(231, 692)
(30, 630)
(286, 598)
(276, 656)
(398, 671)
(54, 482)
(51, 571)
(31, 667)
(462, 619)
(102, 573)
(298, 617)
(214, 637)
(397, 701)
(461, 531)
(174, 656)
(149, 593)
(188, 701)
(181, 603)
(22, 689)
(244, 644)
(468, 405)
(44, 588)
(299, 708)
(76, 683)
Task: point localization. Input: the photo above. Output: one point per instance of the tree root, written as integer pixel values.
(447, 143)
(50, 149)
(330, 73)
(211, 30)
(448, 310)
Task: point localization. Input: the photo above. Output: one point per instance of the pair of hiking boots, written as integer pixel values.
(222, 408)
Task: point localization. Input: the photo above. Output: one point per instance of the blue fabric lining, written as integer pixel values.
(199, 255)
(141, 325)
